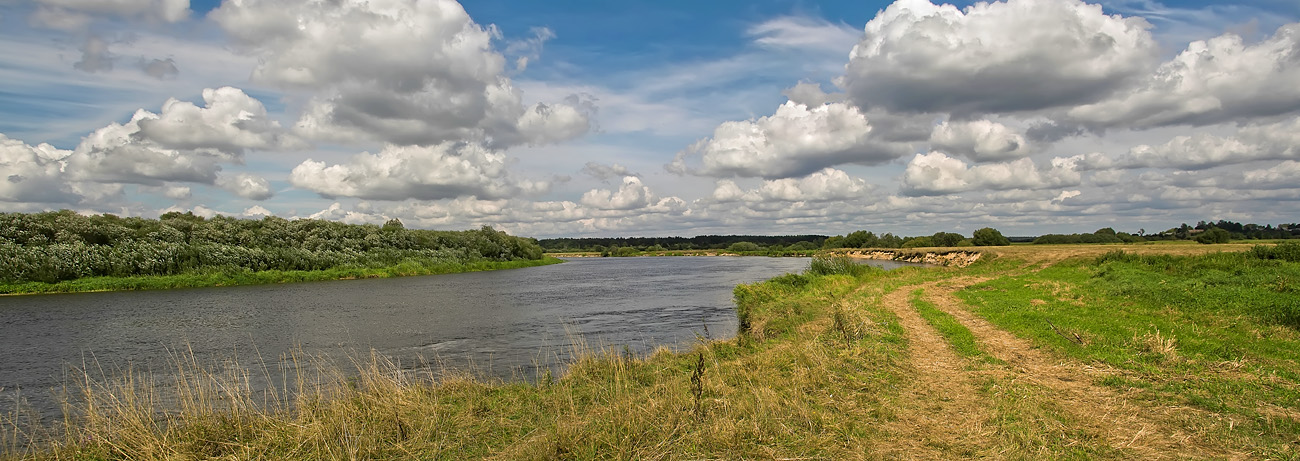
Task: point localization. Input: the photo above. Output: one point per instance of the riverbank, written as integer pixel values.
(634, 254)
(1038, 352)
(245, 277)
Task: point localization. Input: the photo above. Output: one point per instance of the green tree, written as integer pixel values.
(743, 246)
(1214, 235)
(989, 236)
(946, 239)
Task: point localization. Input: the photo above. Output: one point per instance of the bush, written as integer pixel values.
(836, 264)
(1214, 235)
(989, 236)
(1287, 251)
(739, 247)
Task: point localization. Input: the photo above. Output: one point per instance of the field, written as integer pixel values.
(1080, 352)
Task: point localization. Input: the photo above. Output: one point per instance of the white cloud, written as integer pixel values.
(1272, 141)
(117, 153)
(937, 174)
(1219, 80)
(805, 33)
(1018, 55)
(630, 195)
(979, 140)
(823, 187)
(32, 173)
(355, 56)
(794, 141)
(173, 192)
(256, 211)
(230, 121)
(441, 171)
(246, 185)
(184, 143)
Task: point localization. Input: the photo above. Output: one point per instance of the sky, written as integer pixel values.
(657, 118)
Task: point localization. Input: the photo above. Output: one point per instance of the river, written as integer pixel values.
(510, 324)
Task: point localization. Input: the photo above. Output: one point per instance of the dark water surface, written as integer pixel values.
(501, 323)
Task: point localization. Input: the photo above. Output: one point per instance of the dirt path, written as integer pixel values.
(940, 412)
(1142, 430)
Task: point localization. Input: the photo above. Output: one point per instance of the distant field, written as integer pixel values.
(1144, 351)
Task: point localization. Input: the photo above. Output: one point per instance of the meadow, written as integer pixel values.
(1179, 351)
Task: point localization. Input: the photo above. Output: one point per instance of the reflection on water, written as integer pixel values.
(503, 323)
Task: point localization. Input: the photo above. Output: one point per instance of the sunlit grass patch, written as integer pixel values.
(1200, 331)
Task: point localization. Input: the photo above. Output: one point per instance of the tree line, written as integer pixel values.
(767, 244)
(63, 245)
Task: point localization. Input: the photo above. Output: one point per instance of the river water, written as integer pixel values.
(510, 324)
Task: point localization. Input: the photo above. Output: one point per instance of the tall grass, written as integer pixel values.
(837, 264)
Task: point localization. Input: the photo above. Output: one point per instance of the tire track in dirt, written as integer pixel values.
(1141, 429)
(940, 412)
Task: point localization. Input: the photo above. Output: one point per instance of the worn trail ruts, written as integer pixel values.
(940, 412)
(1143, 430)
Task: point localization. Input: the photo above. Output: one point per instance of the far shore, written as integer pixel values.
(238, 278)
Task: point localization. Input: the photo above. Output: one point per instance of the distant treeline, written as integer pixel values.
(766, 244)
(703, 242)
(1204, 231)
(63, 245)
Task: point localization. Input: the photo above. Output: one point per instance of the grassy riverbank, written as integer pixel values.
(233, 277)
(1061, 353)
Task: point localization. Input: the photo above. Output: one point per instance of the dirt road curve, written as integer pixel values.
(950, 405)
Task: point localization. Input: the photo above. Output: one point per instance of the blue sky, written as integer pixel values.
(658, 118)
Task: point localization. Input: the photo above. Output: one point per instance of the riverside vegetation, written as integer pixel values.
(1141, 352)
(66, 252)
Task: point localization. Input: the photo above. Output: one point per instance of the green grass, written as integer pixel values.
(1212, 332)
(246, 277)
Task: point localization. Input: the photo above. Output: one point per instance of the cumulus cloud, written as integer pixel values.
(1018, 55)
(246, 185)
(182, 143)
(794, 141)
(230, 121)
(937, 174)
(1214, 81)
(826, 185)
(629, 196)
(1270, 141)
(355, 57)
(32, 173)
(256, 211)
(446, 170)
(116, 153)
(605, 172)
(979, 140)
